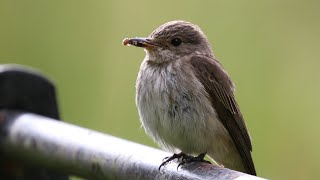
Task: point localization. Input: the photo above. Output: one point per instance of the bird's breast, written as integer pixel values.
(172, 105)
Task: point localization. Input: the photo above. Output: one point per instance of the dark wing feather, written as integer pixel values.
(220, 89)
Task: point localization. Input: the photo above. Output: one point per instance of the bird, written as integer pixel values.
(185, 99)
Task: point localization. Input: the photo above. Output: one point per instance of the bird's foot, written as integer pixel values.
(189, 159)
(170, 158)
(185, 159)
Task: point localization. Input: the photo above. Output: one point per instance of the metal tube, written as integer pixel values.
(86, 153)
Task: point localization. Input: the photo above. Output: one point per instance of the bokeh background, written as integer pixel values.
(270, 49)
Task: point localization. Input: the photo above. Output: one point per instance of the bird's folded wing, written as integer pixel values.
(220, 90)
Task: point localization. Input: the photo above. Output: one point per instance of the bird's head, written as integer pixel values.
(171, 41)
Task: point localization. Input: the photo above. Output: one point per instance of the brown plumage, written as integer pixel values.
(186, 100)
(220, 88)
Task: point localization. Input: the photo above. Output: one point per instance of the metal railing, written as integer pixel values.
(35, 144)
(90, 154)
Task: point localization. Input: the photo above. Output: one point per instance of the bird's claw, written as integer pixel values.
(166, 160)
(185, 159)
(189, 159)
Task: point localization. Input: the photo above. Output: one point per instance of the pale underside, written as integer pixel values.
(176, 112)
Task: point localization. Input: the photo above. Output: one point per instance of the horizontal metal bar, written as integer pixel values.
(87, 153)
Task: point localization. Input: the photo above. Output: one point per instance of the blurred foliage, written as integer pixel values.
(270, 49)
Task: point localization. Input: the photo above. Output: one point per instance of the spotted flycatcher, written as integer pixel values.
(186, 100)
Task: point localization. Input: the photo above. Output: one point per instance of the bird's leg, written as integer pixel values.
(170, 158)
(189, 159)
(185, 159)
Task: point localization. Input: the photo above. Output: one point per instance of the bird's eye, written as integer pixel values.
(176, 41)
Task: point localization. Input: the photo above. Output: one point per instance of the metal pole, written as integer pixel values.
(86, 153)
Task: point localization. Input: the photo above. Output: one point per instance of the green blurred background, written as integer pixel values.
(270, 49)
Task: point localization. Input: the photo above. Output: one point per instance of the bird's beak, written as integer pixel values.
(141, 42)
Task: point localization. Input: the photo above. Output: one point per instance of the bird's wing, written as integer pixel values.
(220, 90)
